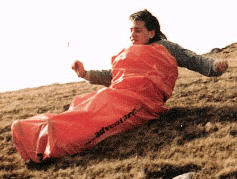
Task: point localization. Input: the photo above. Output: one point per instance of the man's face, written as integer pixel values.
(139, 33)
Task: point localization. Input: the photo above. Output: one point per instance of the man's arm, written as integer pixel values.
(103, 77)
(207, 66)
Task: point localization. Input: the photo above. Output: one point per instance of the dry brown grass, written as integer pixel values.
(198, 133)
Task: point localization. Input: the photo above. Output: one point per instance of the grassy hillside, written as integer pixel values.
(198, 133)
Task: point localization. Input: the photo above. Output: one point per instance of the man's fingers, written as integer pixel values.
(221, 66)
(75, 65)
(79, 68)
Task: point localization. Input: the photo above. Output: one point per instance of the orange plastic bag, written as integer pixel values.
(143, 79)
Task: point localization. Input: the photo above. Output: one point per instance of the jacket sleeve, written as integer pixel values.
(102, 77)
(190, 60)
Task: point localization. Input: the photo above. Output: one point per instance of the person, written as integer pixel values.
(144, 76)
(204, 65)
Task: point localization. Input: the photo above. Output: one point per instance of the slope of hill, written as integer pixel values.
(198, 133)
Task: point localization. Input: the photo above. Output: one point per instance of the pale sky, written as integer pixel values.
(34, 34)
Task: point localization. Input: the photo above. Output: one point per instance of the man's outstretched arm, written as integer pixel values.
(207, 66)
(103, 77)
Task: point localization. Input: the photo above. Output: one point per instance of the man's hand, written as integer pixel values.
(79, 69)
(221, 66)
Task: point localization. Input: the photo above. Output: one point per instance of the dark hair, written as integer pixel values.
(151, 23)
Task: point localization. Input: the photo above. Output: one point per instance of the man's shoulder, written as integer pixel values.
(168, 44)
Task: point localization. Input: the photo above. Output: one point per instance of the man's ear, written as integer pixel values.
(152, 34)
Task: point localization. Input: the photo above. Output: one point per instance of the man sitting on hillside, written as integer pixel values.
(144, 76)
